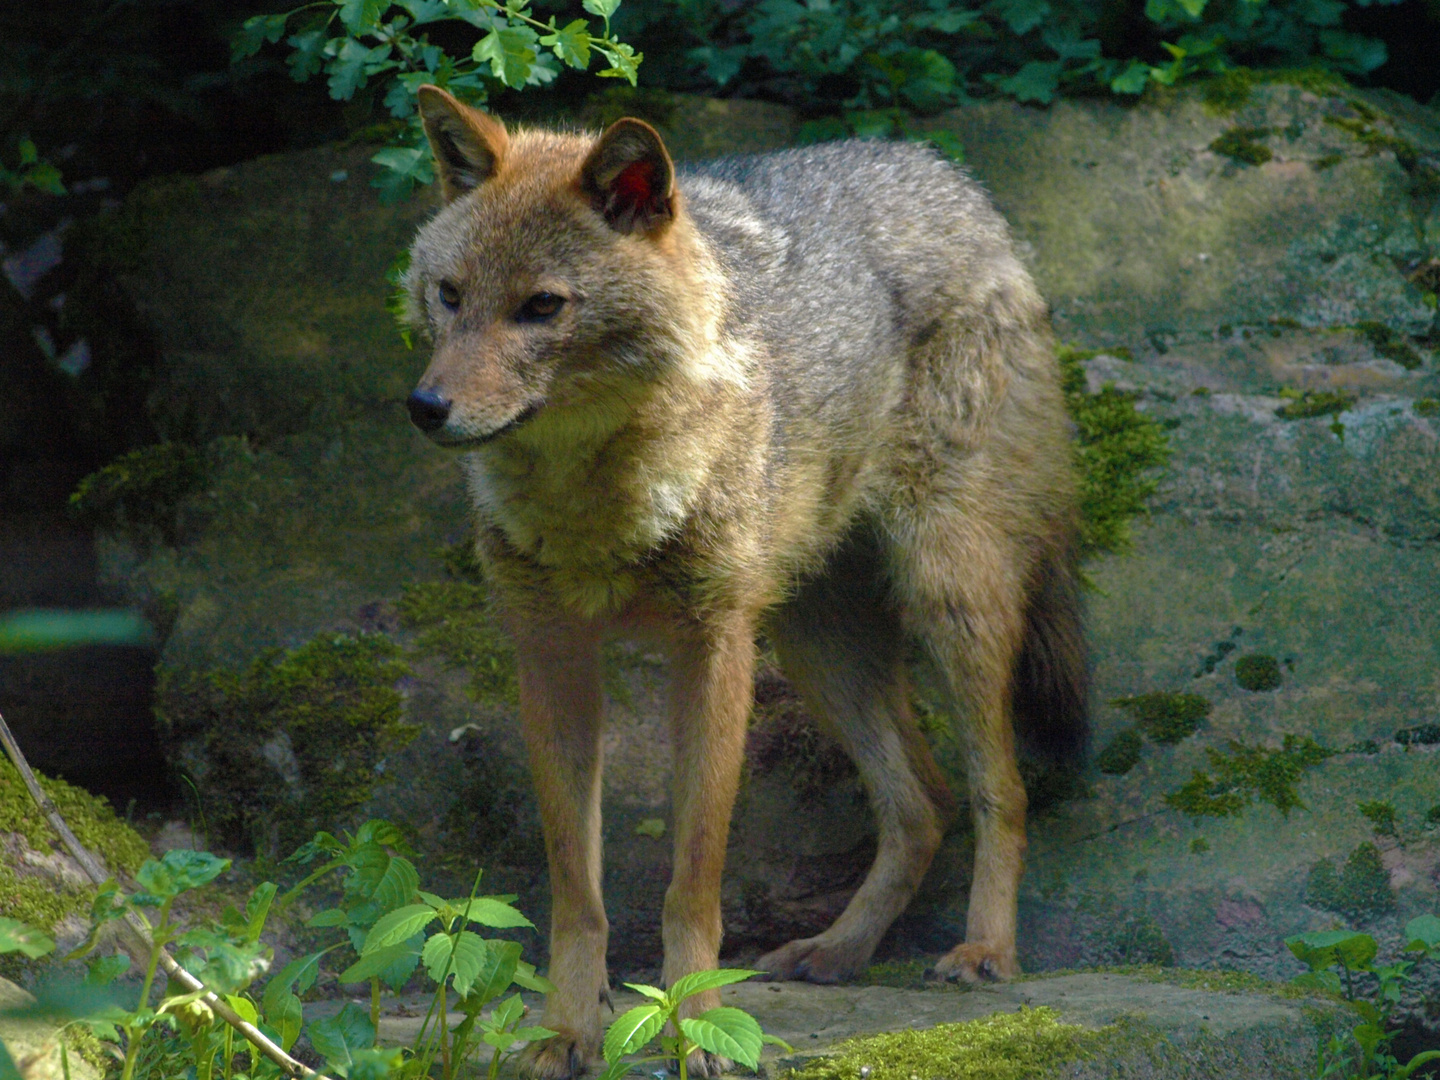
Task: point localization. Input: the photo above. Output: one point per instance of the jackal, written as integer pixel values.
(811, 394)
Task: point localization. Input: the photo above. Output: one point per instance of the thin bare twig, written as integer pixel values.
(137, 926)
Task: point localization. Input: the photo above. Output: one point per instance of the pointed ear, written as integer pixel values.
(468, 144)
(630, 179)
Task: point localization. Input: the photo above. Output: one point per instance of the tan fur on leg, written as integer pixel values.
(559, 674)
(963, 597)
(710, 705)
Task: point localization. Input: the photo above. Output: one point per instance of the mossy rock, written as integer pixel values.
(39, 883)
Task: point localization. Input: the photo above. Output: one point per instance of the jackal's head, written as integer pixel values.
(558, 279)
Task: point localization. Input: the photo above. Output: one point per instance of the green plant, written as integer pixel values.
(385, 916)
(353, 42)
(864, 55)
(1335, 959)
(725, 1031)
(31, 171)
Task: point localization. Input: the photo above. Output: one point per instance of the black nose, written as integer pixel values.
(428, 410)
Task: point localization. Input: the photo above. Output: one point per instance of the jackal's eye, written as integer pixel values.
(449, 295)
(539, 307)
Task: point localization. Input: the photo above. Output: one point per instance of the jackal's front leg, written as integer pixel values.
(710, 704)
(560, 712)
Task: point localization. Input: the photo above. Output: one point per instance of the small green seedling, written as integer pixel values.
(725, 1031)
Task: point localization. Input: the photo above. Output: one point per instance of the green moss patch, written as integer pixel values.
(1242, 774)
(1121, 754)
(1118, 450)
(1360, 890)
(90, 818)
(1166, 717)
(138, 495)
(1427, 406)
(1381, 815)
(42, 902)
(1257, 672)
(1006, 1046)
(1231, 90)
(1419, 735)
(1304, 404)
(293, 742)
(1243, 144)
(1389, 344)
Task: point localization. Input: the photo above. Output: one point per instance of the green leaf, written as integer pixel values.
(104, 970)
(1423, 933)
(464, 955)
(497, 971)
(602, 8)
(179, 871)
(654, 993)
(244, 1008)
(397, 926)
(1022, 16)
(632, 1030)
(526, 978)
(255, 32)
(699, 981)
(508, 1012)
(374, 1064)
(362, 16)
(510, 52)
(1132, 80)
(339, 1038)
(257, 909)
(16, 936)
(397, 885)
(624, 61)
(329, 917)
(351, 68)
(729, 1032)
(306, 58)
(1036, 81)
(372, 964)
(286, 1015)
(571, 44)
(492, 911)
(297, 977)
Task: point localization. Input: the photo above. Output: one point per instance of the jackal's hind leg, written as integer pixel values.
(963, 596)
(841, 644)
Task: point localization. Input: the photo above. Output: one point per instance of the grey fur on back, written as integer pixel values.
(842, 257)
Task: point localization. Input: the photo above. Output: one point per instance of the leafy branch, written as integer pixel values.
(353, 42)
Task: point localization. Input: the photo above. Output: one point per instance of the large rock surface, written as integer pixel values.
(1221, 289)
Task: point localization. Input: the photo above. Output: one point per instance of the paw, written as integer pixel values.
(976, 963)
(814, 960)
(563, 1057)
(703, 1063)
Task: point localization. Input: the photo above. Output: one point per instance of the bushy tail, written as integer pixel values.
(1050, 694)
